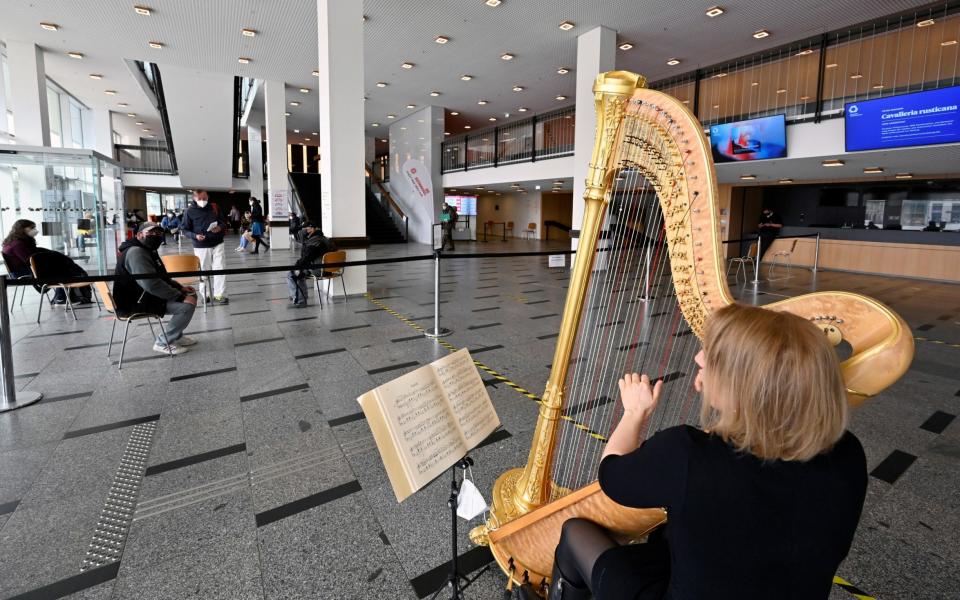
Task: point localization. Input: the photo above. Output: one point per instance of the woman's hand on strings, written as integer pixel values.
(639, 398)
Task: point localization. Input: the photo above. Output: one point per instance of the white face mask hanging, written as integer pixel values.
(470, 502)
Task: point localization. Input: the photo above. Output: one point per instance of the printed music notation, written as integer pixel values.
(427, 420)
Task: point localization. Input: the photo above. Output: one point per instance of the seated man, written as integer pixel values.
(160, 296)
(313, 245)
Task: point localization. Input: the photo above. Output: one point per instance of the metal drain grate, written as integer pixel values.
(114, 522)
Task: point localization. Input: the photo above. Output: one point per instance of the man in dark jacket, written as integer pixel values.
(205, 227)
(313, 245)
(161, 296)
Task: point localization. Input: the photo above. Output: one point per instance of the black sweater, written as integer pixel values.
(739, 527)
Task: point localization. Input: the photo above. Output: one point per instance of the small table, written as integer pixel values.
(490, 225)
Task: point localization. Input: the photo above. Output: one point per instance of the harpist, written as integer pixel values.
(766, 497)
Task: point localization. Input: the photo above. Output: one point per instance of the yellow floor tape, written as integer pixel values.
(843, 583)
(940, 342)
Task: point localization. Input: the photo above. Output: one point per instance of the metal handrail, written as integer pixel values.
(146, 159)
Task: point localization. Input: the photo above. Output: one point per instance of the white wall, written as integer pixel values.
(129, 133)
(519, 208)
(418, 137)
(551, 168)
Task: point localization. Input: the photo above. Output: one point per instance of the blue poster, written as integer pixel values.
(755, 139)
(917, 119)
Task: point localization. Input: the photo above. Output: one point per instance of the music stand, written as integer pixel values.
(455, 577)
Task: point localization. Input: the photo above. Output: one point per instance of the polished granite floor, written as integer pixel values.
(259, 478)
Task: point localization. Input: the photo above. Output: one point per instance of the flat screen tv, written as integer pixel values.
(465, 205)
(917, 119)
(754, 139)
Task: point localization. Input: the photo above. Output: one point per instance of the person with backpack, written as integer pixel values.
(313, 245)
(448, 220)
(160, 296)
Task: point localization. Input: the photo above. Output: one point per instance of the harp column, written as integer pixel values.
(340, 95)
(596, 53)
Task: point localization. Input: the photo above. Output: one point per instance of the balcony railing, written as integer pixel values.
(145, 159)
(549, 135)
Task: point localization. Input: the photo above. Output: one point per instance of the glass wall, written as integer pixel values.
(75, 198)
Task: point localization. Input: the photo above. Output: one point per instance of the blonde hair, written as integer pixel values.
(777, 382)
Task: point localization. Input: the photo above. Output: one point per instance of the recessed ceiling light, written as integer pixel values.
(804, 97)
(454, 113)
(50, 26)
(446, 133)
(407, 65)
(411, 106)
(466, 77)
(139, 123)
(714, 11)
(626, 46)
(830, 66)
(948, 43)
(719, 75)
(832, 162)
(466, 127)
(122, 104)
(877, 86)
(243, 60)
(294, 103)
(506, 56)
(788, 180)
(856, 76)
(566, 25)
(248, 32)
(481, 102)
(384, 141)
(782, 91)
(522, 109)
(563, 70)
(77, 55)
(441, 39)
(518, 88)
(391, 116)
(304, 90)
(493, 3)
(145, 130)
(761, 34)
(673, 62)
(306, 139)
(434, 94)
(925, 23)
(296, 131)
(131, 115)
(904, 175)
(110, 92)
(142, 10)
(492, 119)
(754, 84)
(748, 177)
(287, 114)
(314, 133)
(156, 45)
(716, 106)
(381, 84)
(560, 98)
(873, 170)
(315, 73)
(374, 124)
(96, 76)
(805, 52)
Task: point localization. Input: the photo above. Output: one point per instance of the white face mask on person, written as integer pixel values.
(202, 203)
(32, 232)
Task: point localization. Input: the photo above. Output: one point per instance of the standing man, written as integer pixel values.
(202, 225)
(448, 220)
(162, 296)
(234, 217)
(769, 228)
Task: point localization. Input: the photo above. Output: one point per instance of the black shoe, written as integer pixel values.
(297, 305)
(255, 252)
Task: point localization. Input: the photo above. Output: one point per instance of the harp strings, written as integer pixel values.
(631, 320)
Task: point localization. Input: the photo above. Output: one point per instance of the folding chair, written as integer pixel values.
(35, 267)
(742, 262)
(337, 256)
(111, 305)
(20, 288)
(186, 263)
(783, 255)
(530, 231)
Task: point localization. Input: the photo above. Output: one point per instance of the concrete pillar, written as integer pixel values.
(255, 159)
(596, 53)
(340, 95)
(102, 132)
(278, 182)
(28, 83)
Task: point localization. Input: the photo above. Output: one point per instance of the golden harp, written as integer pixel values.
(640, 305)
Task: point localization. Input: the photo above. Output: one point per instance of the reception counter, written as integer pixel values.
(920, 254)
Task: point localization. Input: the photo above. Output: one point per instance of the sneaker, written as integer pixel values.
(221, 300)
(298, 305)
(186, 341)
(171, 349)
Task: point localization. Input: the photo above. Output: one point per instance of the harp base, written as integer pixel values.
(504, 507)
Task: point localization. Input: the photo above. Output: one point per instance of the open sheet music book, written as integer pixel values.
(427, 420)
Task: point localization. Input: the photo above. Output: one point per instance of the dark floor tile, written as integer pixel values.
(892, 467)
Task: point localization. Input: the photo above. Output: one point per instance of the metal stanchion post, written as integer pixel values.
(756, 264)
(9, 400)
(436, 331)
(816, 254)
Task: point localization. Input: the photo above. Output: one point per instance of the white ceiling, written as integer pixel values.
(205, 36)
